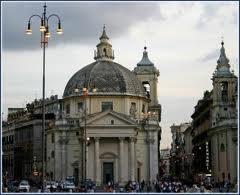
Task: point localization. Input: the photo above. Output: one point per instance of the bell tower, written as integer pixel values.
(148, 74)
(104, 48)
(224, 92)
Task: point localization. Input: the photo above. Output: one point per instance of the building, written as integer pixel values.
(109, 129)
(188, 157)
(8, 151)
(200, 140)
(223, 133)
(164, 162)
(214, 126)
(22, 140)
(177, 152)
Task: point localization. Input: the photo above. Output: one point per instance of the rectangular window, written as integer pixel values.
(53, 138)
(143, 108)
(52, 154)
(112, 122)
(107, 106)
(68, 109)
(80, 106)
(133, 109)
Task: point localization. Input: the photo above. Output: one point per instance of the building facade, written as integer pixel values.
(223, 133)
(177, 152)
(201, 124)
(109, 129)
(164, 162)
(22, 140)
(188, 155)
(214, 126)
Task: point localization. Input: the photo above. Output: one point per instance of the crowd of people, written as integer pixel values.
(163, 185)
(170, 186)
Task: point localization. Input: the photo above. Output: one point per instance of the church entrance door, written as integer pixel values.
(107, 172)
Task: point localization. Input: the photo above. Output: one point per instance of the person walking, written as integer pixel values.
(142, 185)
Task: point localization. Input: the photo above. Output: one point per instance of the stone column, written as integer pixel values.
(215, 157)
(57, 161)
(65, 164)
(64, 158)
(80, 165)
(149, 157)
(155, 81)
(231, 161)
(132, 160)
(235, 154)
(97, 163)
(154, 159)
(121, 162)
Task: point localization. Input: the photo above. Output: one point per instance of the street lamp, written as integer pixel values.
(45, 34)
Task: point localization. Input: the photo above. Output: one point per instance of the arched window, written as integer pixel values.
(222, 148)
(105, 51)
(147, 88)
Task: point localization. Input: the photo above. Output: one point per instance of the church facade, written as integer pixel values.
(223, 134)
(108, 129)
(215, 126)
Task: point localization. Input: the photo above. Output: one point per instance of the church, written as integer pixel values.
(108, 126)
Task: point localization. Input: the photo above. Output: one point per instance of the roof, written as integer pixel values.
(109, 78)
(223, 66)
(104, 35)
(145, 60)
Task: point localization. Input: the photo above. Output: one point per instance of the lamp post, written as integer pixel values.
(45, 34)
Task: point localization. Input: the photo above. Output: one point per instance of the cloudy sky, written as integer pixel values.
(183, 40)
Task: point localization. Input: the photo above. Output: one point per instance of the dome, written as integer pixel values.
(108, 77)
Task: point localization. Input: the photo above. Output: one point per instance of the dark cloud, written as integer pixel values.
(210, 56)
(81, 21)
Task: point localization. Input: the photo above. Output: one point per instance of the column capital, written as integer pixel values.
(132, 139)
(149, 140)
(152, 140)
(96, 139)
(121, 138)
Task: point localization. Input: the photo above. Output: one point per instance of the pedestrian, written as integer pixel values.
(51, 188)
(148, 186)
(143, 184)
(202, 188)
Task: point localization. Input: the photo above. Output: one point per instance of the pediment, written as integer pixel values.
(110, 118)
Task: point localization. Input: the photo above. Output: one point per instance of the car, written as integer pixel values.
(120, 188)
(13, 186)
(68, 186)
(89, 184)
(70, 179)
(24, 186)
(51, 183)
